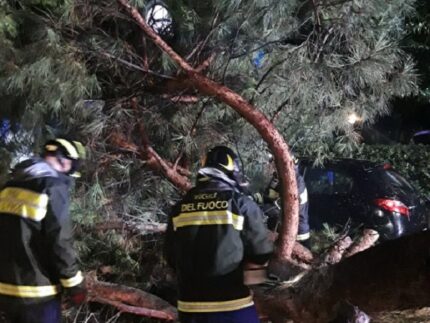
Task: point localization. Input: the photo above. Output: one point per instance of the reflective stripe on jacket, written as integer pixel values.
(210, 232)
(272, 209)
(37, 255)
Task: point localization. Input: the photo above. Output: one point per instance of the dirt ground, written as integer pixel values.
(409, 316)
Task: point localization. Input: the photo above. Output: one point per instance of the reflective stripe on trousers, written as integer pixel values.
(220, 306)
(28, 291)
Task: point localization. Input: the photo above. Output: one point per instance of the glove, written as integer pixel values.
(75, 296)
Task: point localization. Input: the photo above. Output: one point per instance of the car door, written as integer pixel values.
(331, 197)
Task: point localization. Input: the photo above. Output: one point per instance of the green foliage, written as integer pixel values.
(322, 240)
(84, 68)
(42, 78)
(410, 160)
(417, 43)
(112, 249)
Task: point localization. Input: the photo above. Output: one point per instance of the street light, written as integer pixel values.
(353, 118)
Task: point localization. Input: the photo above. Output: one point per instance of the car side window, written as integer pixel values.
(328, 181)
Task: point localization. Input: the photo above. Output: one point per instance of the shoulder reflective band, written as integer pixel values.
(28, 291)
(72, 281)
(208, 218)
(201, 307)
(24, 203)
(73, 152)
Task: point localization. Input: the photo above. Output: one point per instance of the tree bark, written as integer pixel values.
(176, 174)
(275, 141)
(367, 239)
(129, 300)
(394, 275)
(336, 251)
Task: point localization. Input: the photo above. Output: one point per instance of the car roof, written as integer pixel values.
(344, 162)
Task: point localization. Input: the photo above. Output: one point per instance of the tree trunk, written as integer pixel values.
(394, 275)
(275, 141)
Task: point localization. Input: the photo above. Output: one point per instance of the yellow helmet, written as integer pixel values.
(64, 148)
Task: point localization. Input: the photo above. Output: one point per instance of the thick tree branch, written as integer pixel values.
(366, 240)
(205, 64)
(129, 300)
(176, 175)
(337, 250)
(394, 275)
(274, 139)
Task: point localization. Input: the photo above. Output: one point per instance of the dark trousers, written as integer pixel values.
(244, 315)
(45, 312)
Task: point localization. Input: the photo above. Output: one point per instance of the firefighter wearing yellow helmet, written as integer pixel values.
(212, 232)
(38, 262)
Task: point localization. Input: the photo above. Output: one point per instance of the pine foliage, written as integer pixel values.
(85, 68)
(43, 79)
(336, 59)
(417, 43)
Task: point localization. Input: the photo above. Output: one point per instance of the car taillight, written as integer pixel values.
(387, 166)
(392, 206)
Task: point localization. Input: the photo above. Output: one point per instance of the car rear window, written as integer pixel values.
(328, 181)
(391, 182)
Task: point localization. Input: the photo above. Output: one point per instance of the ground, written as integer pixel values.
(409, 316)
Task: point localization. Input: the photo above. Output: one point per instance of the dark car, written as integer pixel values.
(363, 193)
(422, 137)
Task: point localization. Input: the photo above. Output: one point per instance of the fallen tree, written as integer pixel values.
(283, 160)
(368, 279)
(394, 275)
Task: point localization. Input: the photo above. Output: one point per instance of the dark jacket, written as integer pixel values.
(210, 233)
(272, 209)
(35, 234)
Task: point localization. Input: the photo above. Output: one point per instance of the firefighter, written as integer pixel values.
(212, 232)
(38, 262)
(270, 204)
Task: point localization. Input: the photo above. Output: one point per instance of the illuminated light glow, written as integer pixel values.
(353, 118)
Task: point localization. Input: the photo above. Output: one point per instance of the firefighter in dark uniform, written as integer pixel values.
(269, 202)
(212, 232)
(38, 262)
